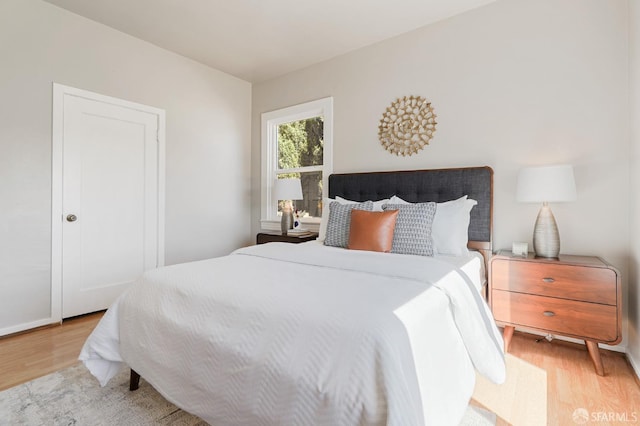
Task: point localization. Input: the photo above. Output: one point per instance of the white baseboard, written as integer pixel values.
(635, 364)
(26, 326)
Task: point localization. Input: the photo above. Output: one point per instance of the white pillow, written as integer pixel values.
(377, 205)
(322, 232)
(397, 200)
(450, 229)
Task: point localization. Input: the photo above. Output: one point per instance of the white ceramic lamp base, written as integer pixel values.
(546, 239)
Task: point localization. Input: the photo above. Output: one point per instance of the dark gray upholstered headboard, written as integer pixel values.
(426, 185)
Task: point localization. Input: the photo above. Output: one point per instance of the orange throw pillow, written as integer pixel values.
(372, 231)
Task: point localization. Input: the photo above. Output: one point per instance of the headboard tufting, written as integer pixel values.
(437, 185)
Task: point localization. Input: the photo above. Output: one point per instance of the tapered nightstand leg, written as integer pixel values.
(134, 381)
(594, 353)
(507, 334)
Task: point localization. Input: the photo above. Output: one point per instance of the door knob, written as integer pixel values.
(72, 218)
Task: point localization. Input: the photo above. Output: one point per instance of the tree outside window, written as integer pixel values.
(300, 148)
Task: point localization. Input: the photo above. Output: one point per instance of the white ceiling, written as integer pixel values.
(257, 40)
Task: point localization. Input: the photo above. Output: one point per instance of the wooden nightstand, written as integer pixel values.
(267, 237)
(575, 296)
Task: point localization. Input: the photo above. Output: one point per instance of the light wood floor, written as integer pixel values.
(571, 380)
(29, 355)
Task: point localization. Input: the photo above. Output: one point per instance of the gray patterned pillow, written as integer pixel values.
(340, 222)
(413, 228)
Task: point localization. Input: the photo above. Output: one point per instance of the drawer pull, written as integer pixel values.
(548, 280)
(549, 314)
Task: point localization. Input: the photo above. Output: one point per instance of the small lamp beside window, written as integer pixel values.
(287, 190)
(547, 184)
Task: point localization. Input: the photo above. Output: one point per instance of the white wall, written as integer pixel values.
(207, 141)
(634, 262)
(514, 83)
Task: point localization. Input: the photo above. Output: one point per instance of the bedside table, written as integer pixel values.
(268, 237)
(575, 296)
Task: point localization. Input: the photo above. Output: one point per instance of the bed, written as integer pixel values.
(303, 334)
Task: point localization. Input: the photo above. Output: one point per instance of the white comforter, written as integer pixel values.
(283, 334)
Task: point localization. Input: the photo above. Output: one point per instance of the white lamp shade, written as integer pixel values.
(546, 184)
(288, 189)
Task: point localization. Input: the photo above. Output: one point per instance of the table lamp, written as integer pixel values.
(546, 184)
(287, 190)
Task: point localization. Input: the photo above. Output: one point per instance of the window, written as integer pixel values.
(296, 143)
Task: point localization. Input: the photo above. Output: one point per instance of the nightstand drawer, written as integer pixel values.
(589, 284)
(568, 317)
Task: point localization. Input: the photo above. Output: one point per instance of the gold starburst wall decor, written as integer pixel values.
(407, 125)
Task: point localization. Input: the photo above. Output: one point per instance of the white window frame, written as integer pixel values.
(269, 134)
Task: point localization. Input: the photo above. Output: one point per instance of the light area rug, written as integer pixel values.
(73, 397)
(522, 399)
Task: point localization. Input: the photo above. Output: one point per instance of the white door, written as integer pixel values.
(110, 199)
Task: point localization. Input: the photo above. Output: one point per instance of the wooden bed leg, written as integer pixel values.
(507, 334)
(134, 381)
(594, 353)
